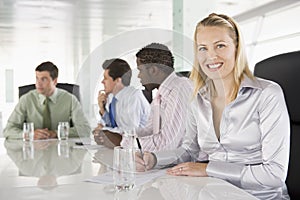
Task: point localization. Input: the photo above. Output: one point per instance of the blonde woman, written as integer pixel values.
(237, 123)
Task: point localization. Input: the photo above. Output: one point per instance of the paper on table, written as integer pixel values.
(140, 178)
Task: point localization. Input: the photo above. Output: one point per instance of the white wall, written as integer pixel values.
(266, 35)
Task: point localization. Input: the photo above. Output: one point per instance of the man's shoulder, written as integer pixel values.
(132, 94)
(132, 91)
(61, 93)
(29, 95)
(182, 82)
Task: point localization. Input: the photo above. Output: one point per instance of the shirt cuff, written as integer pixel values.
(164, 159)
(226, 171)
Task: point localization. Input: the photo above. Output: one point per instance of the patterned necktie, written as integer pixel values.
(112, 112)
(46, 114)
(156, 115)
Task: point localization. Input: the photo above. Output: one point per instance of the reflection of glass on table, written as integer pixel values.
(28, 150)
(63, 149)
(49, 173)
(45, 159)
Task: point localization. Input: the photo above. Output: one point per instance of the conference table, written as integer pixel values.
(53, 169)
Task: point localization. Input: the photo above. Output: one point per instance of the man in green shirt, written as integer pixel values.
(61, 106)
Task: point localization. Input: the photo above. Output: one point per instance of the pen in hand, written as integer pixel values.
(140, 148)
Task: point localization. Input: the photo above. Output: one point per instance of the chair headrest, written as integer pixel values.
(71, 88)
(285, 70)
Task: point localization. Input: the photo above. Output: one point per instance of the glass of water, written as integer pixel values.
(28, 131)
(63, 130)
(124, 168)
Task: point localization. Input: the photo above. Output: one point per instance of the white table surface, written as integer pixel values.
(50, 176)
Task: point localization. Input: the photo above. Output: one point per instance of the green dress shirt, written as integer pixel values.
(63, 107)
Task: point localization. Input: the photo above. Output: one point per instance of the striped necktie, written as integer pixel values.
(112, 112)
(46, 114)
(156, 114)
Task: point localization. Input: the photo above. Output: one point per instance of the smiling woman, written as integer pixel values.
(237, 123)
(216, 57)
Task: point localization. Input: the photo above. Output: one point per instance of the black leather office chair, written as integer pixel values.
(148, 95)
(184, 73)
(285, 70)
(72, 88)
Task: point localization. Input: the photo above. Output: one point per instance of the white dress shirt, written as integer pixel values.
(175, 95)
(253, 151)
(132, 110)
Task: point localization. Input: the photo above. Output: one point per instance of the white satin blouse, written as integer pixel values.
(253, 151)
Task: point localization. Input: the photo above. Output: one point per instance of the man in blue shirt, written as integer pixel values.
(122, 107)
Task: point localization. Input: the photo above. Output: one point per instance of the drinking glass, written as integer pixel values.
(124, 168)
(63, 130)
(129, 138)
(28, 131)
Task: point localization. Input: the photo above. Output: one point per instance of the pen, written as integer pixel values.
(79, 143)
(140, 148)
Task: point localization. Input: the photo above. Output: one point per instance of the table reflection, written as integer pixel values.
(50, 169)
(170, 187)
(47, 160)
(196, 188)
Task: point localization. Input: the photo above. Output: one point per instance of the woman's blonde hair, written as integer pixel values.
(241, 64)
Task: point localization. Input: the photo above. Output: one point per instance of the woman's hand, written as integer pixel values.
(188, 169)
(147, 162)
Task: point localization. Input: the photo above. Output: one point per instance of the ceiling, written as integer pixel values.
(72, 28)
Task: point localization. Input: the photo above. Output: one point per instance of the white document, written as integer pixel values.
(141, 178)
(114, 130)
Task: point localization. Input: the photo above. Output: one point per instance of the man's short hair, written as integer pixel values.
(118, 68)
(156, 54)
(50, 67)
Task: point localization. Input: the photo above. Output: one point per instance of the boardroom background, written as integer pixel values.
(78, 35)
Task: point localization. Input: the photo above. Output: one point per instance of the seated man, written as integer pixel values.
(45, 107)
(165, 128)
(122, 107)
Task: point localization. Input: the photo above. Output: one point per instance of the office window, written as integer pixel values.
(1, 129)
(280, 24)
(272, 34)
(9, 82)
